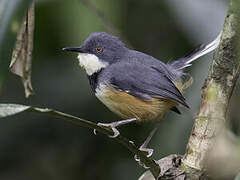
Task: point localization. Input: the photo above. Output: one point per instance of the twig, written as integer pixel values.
(11, 109)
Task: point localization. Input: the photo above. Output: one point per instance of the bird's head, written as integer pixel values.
(98, 51)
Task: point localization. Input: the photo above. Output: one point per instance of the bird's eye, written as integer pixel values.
(99, 49)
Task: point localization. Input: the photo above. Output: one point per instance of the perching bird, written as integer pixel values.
(134, 85)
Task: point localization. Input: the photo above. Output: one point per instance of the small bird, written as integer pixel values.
(134, 85)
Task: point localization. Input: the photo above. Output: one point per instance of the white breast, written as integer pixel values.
(91, 63)
(102, 94)
(105, 95)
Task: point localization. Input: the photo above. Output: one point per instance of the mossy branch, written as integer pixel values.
(216, 92)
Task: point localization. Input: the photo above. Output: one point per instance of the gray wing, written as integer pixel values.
(144, 82)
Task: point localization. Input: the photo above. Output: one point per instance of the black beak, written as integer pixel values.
(73, 49)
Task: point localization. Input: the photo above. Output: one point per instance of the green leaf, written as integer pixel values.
(11, 16)
(11, 109)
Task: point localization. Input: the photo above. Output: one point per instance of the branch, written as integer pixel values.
(216, 92)
(12, 109)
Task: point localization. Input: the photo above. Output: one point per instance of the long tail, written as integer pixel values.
(186, 61)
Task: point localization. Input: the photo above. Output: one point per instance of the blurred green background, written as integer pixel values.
(39, 147)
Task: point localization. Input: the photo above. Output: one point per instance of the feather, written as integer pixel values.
(143, 82)
(186, 61)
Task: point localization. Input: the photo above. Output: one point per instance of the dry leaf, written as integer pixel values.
(21, 63)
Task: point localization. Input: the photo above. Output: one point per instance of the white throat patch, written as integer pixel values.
(90, 63)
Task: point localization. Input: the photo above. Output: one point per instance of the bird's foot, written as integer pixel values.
(149, 153)
(144, 148)
(113, 126)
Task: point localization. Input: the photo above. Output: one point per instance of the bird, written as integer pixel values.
(132, 84)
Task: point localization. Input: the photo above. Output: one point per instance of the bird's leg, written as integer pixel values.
(144, 148)
(113, 126)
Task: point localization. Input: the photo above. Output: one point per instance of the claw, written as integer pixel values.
(136, 158)
(149, 154)
(140, 162)
(147, 150)
(95, 132)
(115, 131)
